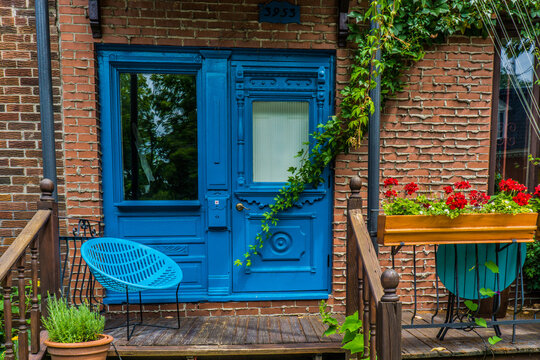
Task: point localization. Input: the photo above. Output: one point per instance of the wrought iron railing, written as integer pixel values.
(78, 284)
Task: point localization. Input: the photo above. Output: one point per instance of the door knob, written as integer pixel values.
(241, 207)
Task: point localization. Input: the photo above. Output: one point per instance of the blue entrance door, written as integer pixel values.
(279, 101)
(195, 145)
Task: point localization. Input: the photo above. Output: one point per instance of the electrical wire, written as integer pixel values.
(519, 89)
(527, 105)
(523, 43)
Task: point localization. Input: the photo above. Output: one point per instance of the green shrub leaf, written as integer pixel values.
(492, 266)
(480, 322)
(471, 306)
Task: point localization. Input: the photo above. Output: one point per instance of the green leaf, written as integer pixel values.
(349, 336)
(330, 331)
(480, 322)
(471, 306)
(492, 266)
(494, 339)
(352, 323)
(487, 292)
(356, 345)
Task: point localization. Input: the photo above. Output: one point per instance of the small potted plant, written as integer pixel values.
(75, 331)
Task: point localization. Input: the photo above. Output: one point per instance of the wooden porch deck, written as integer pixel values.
(250, 336)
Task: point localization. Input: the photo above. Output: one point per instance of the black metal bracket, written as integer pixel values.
(395, 249)
(343, 29)
(95, 18)
(499, 249)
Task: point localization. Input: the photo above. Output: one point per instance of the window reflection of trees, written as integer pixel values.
(514, 135)
(159, 136)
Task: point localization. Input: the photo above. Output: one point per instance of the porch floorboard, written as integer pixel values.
(272, 335)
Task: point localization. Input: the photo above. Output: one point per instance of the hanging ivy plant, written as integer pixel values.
(405, 30)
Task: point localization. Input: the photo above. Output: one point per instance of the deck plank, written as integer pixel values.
(297, 332)
(260, 335)
(286, 331)
(199, 337)
(230, 332)
(143, 332)
(199, 325)
(214, 336)
(172, 326)
(274, 330)
(240, 333)
(263, 336)
(176, 337)
(310, 333)
(252, 330)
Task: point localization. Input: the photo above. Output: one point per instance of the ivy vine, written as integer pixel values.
(405, 30)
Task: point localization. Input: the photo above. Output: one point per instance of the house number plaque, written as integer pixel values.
(281, 12)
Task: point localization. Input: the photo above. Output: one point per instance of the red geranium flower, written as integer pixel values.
(411, 188)
(448, 189)
(522, 199)
(456, 201)
(462, 185)
(390, 193)
(537, 190)
(520, 187)
(426, 205)
(390, 182)
(478, 198)
(511, 185)
(505, 185)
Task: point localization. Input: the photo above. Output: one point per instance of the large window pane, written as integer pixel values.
(280, 131)
(514, 114)
(159, 136)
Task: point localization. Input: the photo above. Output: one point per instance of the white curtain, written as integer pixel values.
(280, 129)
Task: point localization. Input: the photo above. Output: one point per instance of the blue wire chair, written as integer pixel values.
(124, 266)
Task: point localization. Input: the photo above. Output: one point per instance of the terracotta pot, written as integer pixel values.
(465, 229)
(91, 350)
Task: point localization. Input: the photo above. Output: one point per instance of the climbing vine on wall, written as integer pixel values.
(405, 30)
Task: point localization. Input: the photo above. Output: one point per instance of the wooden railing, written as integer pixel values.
(370, 291)
(34, 255)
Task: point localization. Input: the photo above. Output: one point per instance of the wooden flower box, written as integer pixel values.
(395, 230)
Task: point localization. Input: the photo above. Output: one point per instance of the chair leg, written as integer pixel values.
(127, 314)
(177, 306)
(140, 306)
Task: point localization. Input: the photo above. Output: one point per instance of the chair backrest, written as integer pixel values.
(119, 263)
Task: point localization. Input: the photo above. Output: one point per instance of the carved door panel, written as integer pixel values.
(277, 102)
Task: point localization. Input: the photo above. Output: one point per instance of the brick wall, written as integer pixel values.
(20, 137)
(179, 23)
(434, 133)
(437, 132)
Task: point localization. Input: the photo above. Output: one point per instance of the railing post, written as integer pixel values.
(389, 318)
(8, 319)
(23, 328)
(49, 246)
(352, 302)
(35, 314)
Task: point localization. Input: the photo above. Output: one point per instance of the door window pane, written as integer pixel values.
(280, 131)
(514, 114)
(159, 136)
